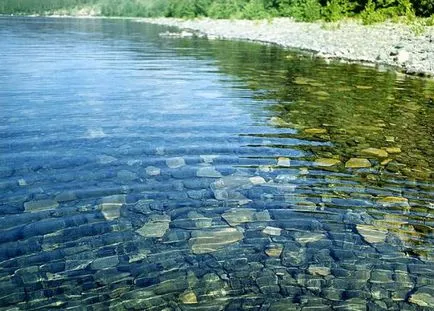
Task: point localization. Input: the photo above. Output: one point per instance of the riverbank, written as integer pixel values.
(389, 44)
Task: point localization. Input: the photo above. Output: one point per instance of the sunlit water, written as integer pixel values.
(147, 173)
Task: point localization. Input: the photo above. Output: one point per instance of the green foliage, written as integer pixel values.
(303, 10)
(337, 9)
(255, 9)
(370, 11)
(225, 9)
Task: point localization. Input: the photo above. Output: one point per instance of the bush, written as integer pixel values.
(337, 9)
(225, 9)
(303, 10)
(255, 9)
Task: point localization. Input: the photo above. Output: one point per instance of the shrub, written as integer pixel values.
(337, 9)
(303, 10)
(255, 9)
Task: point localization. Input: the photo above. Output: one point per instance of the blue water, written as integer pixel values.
(139, 172)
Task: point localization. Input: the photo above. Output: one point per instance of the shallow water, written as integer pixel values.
(147, 173)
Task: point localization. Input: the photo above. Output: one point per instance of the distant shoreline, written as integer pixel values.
(388, 44)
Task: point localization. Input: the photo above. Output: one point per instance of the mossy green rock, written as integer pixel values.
(326, 162)
(379, 153)
(357, 163)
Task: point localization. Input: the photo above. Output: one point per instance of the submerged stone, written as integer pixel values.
(392, 201)
(393, 150)
(326, 162)
(188, 298)
(175, 162)
(357, 163)
(208, 158)
(371, 234)
(283, 161)
(208, 171)
(315, 131)
(257, 180)
(156, 227)
(379, 153)
(319, 270)
(208, 241)
(152, 171)
(272, 231)
(111, 206)
(238, 216)
(274, 250)
(40, 205)
(422, 298)
(126, 175)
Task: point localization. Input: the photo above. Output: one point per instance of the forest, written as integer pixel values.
(369, 11)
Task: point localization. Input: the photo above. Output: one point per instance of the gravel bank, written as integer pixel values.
(389, 44)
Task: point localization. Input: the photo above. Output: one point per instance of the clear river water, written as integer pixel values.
(141, 172)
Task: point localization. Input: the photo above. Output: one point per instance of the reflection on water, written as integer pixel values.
(146, 173)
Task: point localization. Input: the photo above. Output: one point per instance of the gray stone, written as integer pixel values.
(152, 171)
(126, 175)
(105, 262)
(110, 206)
(208, 241)
(40, 205)
(175, 162)
(208, 171)
(156, 227)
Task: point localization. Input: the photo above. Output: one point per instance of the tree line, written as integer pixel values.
(369, 11)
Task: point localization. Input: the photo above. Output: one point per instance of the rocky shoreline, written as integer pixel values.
(388, 44)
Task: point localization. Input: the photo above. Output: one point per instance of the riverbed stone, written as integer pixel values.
(423, 298)
(358, 163)
(208, 241)
(257, 180)
(391, 201)
(371, 234)
(319, 270)
(393, 150)
(273, 231)
(237, 216)
(208, 171)
(125, 175)
(326, 162)
(105, 262)
(152, 171)
(188, 297)
(315, 131)
(176, 162)
(156, 227)
(111, 205)
(40, 205)
(379, 153)
(283, 161)
(274, 250)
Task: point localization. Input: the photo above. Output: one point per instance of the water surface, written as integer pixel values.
(147, 173)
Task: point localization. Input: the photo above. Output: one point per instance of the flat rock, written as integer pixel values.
(208, 171)
(319, 270)
(274, 250)
(188, 298)
(272, 231)
(379, 153)
(40, 205)
(126, 175)
(315, 131)
(371, 234)
(309, 237)
(357, 163)
(393, 150)
(152, 171)
(238, 216)
(175, 162)
(392, 201)
(208, 158)
(422, 299)
(111, 206)
(208, 241)
(156, 227)
(326, 162)
(285, 162)
(257, 180)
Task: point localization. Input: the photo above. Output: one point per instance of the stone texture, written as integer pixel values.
(326, 162)
(40, 205)
(176, 162)
(156, 227)
(372, 234)
(208, 241)
(357, 163)
(110, 206)
(379, 153)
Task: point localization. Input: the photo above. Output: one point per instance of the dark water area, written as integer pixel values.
(146, 173)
